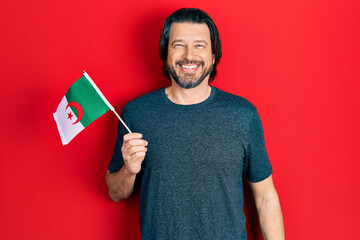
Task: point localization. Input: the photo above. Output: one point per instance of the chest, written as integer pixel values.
(184, 143)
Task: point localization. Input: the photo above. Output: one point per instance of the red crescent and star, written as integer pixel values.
(78, 108)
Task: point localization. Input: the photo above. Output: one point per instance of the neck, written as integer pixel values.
(184, 96)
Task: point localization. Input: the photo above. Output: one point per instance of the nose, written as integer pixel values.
(188, 53)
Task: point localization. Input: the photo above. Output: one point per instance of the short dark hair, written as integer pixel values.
(192, 15)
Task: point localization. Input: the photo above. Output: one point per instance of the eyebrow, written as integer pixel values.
(182, 40)
(201, 41)
(177, 40)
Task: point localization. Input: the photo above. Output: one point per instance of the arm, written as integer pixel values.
(269, 209)
(121, 183)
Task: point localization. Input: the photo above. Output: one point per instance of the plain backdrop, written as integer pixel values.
(296, 61)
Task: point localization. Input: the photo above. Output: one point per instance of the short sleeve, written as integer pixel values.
(257, 165)
(117, 160)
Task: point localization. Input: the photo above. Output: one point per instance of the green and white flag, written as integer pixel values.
(82, 104)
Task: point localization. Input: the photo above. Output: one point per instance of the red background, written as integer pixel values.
(297, 61)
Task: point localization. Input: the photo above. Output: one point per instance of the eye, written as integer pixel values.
(200, 46)
(178, 45)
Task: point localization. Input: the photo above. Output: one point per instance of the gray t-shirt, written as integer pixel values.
(191, 181)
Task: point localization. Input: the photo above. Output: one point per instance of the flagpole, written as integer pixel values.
(105, 100)
(123, 123)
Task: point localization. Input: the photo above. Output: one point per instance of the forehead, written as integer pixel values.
(188, 31)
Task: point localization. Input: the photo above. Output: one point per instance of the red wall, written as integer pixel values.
(297, 61)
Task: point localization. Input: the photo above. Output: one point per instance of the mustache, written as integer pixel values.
(195, 62)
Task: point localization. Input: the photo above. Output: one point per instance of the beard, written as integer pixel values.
(188, 80)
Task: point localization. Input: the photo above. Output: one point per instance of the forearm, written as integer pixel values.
(120, 184)
(271, 219)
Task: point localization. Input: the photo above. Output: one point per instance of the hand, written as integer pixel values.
(133, 151)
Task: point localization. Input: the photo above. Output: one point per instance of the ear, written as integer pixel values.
(213, 58)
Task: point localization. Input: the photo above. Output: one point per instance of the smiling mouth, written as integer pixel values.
(189, 67)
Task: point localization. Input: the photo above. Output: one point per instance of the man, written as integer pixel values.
(200, 141)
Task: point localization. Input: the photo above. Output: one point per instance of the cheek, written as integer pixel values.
(208, 57)
(209, 60)
(171, 57)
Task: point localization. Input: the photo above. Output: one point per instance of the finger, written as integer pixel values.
(136, 142)
(136, 149)
(132, 143)
(129, 136)
(138, 156)
(133, 149)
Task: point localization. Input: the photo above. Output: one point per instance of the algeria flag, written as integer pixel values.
(82, 104)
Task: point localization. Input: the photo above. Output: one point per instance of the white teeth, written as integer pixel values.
(189, 66)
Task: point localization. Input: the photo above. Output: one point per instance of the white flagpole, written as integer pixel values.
(121, 120)
(105, 100)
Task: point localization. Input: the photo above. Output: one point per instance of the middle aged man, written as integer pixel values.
(200, 142)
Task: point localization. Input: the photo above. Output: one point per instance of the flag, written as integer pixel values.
(82, 104)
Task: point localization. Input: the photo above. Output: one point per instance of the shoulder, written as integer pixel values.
(146, 99)
(143, 102)
(235, 103)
